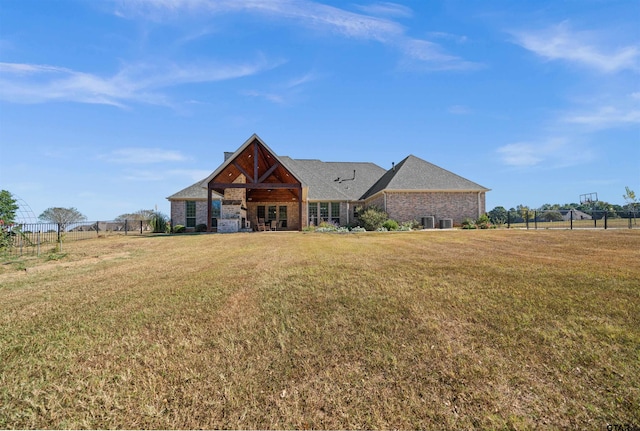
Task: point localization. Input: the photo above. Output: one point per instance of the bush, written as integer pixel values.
(373, 218)
(468, 224)
(201, 227)
(179, 229)
(483, 222)
(358, 229)
(159, 222)
(390, 225)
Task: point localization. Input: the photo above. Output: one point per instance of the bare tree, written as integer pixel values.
(62, 216)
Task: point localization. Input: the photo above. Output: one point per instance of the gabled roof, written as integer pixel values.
(229, 160)
(335, 180)
(351, 181)
(415, 174)
(193, 192)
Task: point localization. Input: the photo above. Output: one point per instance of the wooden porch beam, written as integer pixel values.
(242, 171)
(222, 186)
(269, 172)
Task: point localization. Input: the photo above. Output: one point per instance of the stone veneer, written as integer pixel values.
(179, 212)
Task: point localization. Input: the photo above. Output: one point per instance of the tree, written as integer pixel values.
(62, 216)
(498, 215)
(631, 200)
(8, 208)
(140, 215)
(552, 215)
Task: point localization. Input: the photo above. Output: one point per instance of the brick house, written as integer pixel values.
(256, 188)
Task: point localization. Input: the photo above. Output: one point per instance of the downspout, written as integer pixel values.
(479, 206)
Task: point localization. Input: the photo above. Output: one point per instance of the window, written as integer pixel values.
(215, 213)
(335, 212)
(261, 212)
(282, 216)
(190, 212)
(313, 214)
(324, 211)
(272, 212)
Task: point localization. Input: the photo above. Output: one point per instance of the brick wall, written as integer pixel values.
(414, 206)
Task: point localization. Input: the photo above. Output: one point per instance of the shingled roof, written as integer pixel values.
(415, 174)
(193, 192)
(335, 180)
(355, 181)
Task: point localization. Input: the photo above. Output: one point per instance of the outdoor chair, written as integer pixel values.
(261, 226)
(274, 224)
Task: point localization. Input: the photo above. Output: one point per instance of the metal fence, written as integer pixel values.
(573, 219)
(34, 238)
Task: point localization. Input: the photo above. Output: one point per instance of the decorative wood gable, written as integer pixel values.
(265, 176)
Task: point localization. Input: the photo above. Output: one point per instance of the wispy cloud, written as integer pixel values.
(561, 42)
(309, 14)
(553, 153)
(143, 156)
(605, 117)
(386, 9)
(141, 83)
(284, 92)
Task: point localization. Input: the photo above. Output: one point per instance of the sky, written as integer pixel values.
(112, 106)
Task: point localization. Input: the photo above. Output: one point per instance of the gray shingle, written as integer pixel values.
(413, 173)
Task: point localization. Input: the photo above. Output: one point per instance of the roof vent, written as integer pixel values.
(393, 166)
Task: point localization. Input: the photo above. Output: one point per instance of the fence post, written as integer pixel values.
(571, 218)
(535, 219)
(125, 226)
(630, 222)
(605, 220)
(60, 236)
(38, 244)
(140, 227)
(526, 216)
(508, 220)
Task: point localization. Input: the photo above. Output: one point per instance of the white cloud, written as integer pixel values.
(560, 42)
(312, 15)
(519, 154)
(552, 153)
(31, 83)
(386, 9)
(605, 117)
(143, 156)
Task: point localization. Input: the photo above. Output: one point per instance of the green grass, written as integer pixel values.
(463, 329)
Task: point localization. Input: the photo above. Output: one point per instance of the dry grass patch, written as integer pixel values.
(481, 329)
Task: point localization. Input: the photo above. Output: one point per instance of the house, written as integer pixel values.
(573, 214)
(254, 185)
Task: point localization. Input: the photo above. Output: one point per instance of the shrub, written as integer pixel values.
(179, 229)
(373, 218)
(411, 225)
(159, 222)
(468, 224)
(358, 229)
(483, 222)
(201, 227)
(390, 225)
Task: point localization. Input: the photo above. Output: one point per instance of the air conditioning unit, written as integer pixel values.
(429, 222)
(446, 223)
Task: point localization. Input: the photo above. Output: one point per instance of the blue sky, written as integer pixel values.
(111, 106)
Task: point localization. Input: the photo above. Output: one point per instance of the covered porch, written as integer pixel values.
(258, 190)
